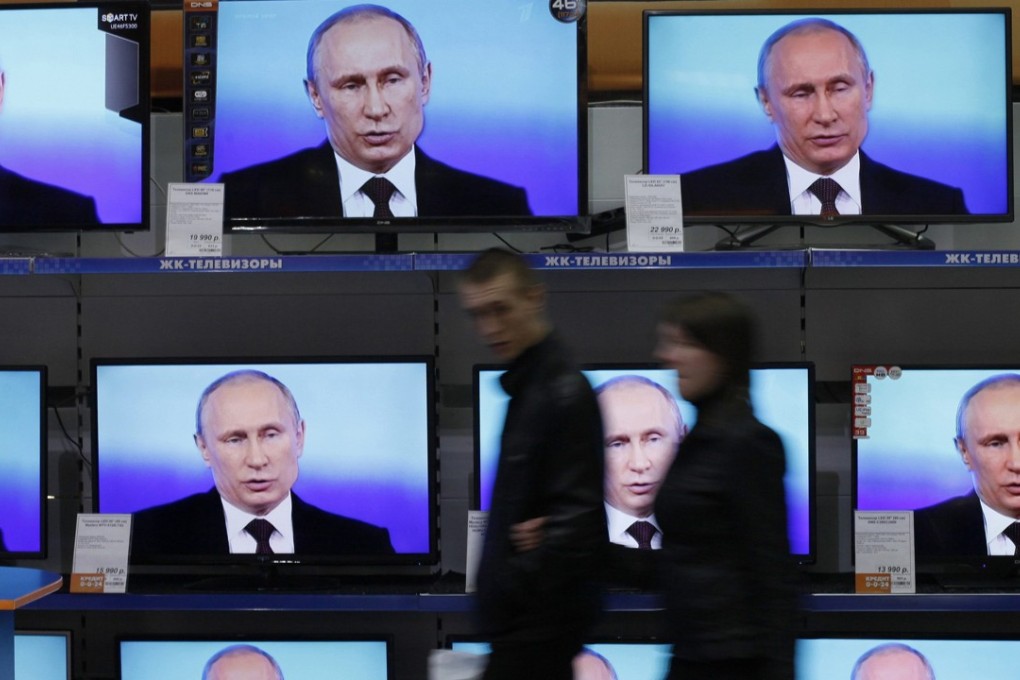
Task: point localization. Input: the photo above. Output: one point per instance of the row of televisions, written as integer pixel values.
(370, 446)
(77, 112)
(46, 656)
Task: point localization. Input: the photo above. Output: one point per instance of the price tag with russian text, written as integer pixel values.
(654, 213)
(884, 552)
(194, 220)
(101, 544)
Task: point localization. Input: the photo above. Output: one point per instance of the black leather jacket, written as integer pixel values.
(550, 465)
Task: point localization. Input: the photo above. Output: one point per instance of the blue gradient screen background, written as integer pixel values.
(630, 660)
(504, 100)
(781, 398)
(40, 657)
(824, 659)
(21, 501)
(304, 660)
(54, 126)
(367, 439)
(940, 104)
(913, 423)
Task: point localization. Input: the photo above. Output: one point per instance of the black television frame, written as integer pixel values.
(248, 638)
(68, 637)
(283, 571)
(42, 552)
(803, 559)
(198, 131)
(967, 571)
(890, 225)
(140, 113)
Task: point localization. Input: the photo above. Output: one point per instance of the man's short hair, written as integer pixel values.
(355, 12)
(892, 647)
(640, 380)
(993, 381)
(235, 650)
(804, 27)
(496, 262)
(246, 375)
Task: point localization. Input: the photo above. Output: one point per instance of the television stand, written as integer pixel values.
(901, 235)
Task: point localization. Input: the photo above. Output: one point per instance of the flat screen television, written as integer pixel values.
(42, 655)
(521, 134)
(934, 127)
(316, 659)
(23, 462)
(620, 659)
(351, 438)
(954, 656)
(75, 120)
(782, 396)
(906, 427)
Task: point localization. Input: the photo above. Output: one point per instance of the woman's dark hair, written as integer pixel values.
(723, 324)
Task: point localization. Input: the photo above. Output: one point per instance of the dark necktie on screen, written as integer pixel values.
(826, 189)
(379, 189)
(1012, 532)
(642, 532)
(261, 530)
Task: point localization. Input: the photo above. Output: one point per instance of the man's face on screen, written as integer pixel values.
(243, 666)
(251, 442)
(991, 446)
(641, 433)
(370, 91)
(817, 94)
(898, 664)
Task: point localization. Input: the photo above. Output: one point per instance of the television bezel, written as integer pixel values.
(965, 568)
(143, 108)
(802, 558)
(579, 223)
(246, 638)
(886, 223)
(42, 552)
(68, 637)
(290, 563)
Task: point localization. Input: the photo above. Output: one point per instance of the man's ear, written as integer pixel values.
(3, 81)
(763, 101)
(961, 448)
(426, 84)
(869, 90)
(202, 449)
(313, 96)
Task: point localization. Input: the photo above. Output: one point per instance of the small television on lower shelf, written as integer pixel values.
(23, 462)
(623, 659)
(42, 655)
(908, 110)
(944, 442)
(783, 398)
(870, 656)
(307, 659)
(336, 454)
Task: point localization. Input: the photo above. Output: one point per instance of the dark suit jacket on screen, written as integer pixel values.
(756, 185)
(27, 203)
(952, 528)
(307, 184)
(195, 525)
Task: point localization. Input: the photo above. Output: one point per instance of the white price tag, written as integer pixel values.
(884, 551)
(655, 220)
(101, 544)
(194, 220)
